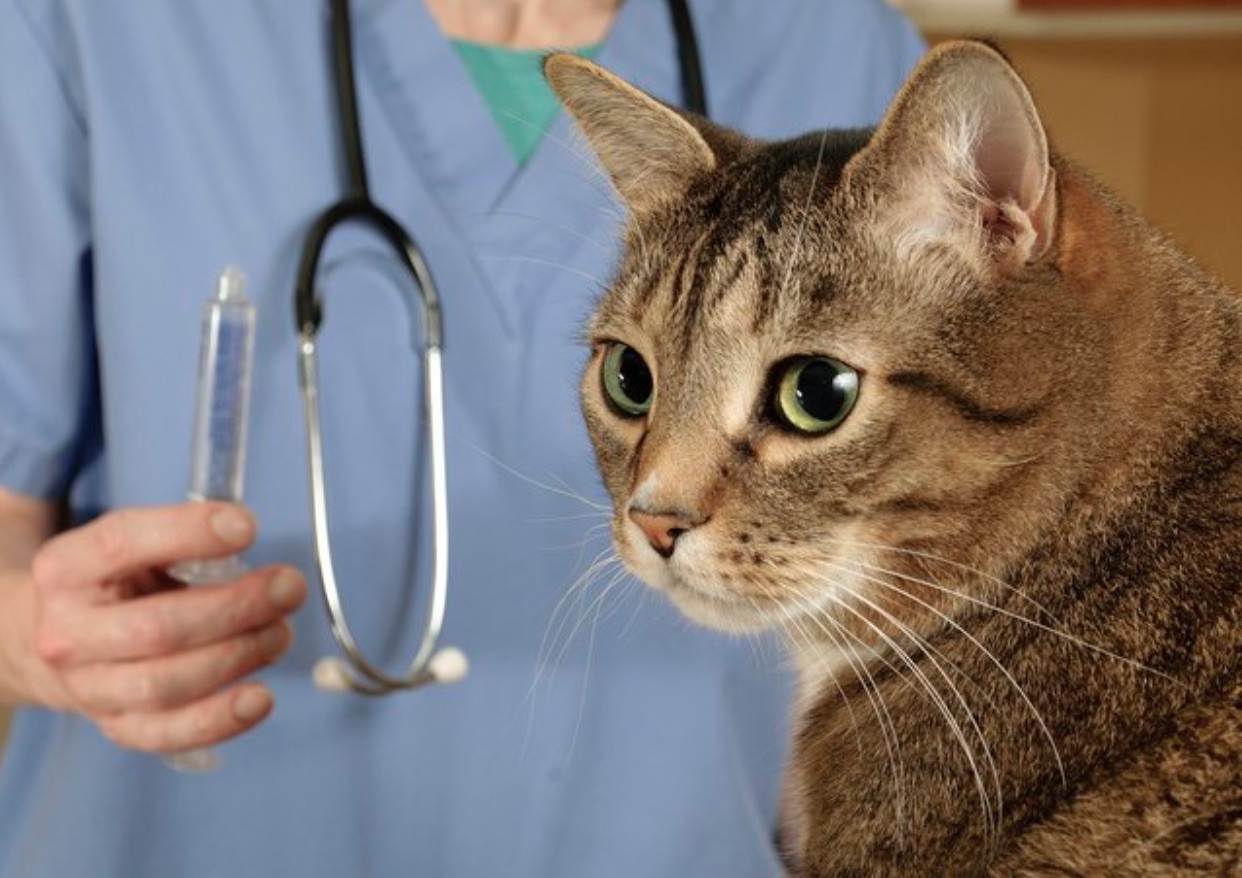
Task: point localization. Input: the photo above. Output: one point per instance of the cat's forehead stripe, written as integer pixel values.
(751, 219)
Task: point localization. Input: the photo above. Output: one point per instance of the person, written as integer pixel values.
(143, 147)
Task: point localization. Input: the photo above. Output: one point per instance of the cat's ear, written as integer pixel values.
(962, 159)
(650, 151)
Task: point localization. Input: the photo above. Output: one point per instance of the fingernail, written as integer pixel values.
(286, 589)
(231, 525)
(251, 704)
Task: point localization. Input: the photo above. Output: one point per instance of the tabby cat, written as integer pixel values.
(969, 433)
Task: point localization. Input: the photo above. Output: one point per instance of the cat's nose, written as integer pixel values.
(662, 528)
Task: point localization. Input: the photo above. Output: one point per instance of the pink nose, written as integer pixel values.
(661, 528)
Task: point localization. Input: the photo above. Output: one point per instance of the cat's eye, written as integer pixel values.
(627, 380)
(815, 394)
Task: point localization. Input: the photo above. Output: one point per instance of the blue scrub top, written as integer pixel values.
(144, 146)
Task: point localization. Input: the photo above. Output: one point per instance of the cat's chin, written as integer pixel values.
(722, 614)
(717, 615)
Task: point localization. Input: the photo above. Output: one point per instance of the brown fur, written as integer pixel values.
(1010, 576)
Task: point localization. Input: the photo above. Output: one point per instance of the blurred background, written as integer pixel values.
(1145, 93)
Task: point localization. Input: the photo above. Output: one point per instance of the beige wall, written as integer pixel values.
(1159, 120)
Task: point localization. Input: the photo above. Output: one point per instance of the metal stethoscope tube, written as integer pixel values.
(353, 671)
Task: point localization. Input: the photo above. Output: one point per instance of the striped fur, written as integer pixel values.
(1011, 576)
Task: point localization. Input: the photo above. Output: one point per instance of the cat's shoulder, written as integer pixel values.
(1173, 808)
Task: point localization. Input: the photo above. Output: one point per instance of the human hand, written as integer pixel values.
(146, 659)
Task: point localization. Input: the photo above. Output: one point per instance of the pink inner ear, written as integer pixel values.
(1010, 160)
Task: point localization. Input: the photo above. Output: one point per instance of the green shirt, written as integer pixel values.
(511, 82)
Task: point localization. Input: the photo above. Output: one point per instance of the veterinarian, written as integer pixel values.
(143, 147)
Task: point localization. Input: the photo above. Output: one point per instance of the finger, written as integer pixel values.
(200, 724)
(126, 541)
(162, 684)
(169, 622)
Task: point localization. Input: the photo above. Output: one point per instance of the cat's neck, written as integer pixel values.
(1172, 334)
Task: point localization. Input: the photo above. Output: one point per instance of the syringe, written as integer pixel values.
(218, 451)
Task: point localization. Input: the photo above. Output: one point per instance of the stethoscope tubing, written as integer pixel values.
(357, 673)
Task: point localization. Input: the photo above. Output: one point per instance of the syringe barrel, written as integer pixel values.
(218, 452)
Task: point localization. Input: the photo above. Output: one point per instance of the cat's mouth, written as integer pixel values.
(699, 581)
(701, 596)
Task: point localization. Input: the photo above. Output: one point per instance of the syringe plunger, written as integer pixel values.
(218, 456)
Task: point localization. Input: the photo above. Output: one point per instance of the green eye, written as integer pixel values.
(815, 394)
(627, 380)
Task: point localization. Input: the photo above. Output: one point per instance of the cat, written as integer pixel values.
(964, 428)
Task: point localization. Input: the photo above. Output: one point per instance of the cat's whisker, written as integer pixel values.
(806, 212)
(605, 561)
(793, 628)
(1018, 617)
(990, 816)
(957, 565)
(854, 566)
(598, 285)
(634, 614)
(892, 742)
(888, 728)
(543, 223)
(581, 516)
(594, 532)
(618, 575)
(578, 149)
(560, 489)
(597, 605)
(578, 592)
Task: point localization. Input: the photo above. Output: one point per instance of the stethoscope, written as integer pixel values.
(352, 670)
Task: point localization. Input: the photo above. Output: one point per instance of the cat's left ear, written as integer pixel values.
(649, 150)
(962, 159)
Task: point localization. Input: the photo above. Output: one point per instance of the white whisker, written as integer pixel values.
(806, 212)
(1047, 733)
(938, 700)
(965, 568)
(544, 223)
(598, 285)
(561, 489)
(888, 728)
(1064, 635)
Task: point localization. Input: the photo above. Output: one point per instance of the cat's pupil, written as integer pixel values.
(634, 376)
(819, 390)
(816, 393)
(627, 380)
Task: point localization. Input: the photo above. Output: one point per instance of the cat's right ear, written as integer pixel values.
(649, 150)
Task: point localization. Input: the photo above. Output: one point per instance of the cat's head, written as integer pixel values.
(833, 373)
